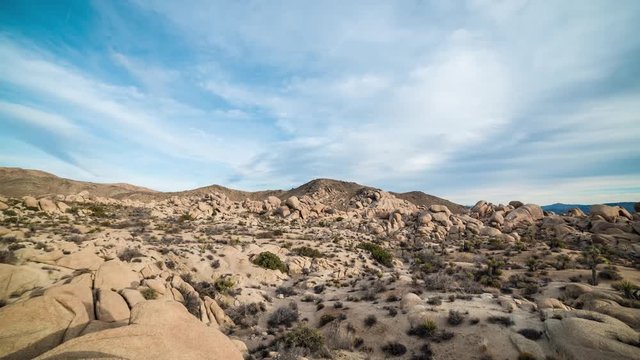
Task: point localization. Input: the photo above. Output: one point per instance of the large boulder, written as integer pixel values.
(83, 259)
(19, 279)
(30, 203)
(587, 335)
(47, 206)
(111, 307)
(116, 275)
(32, 327)
(159, 329)
(527, 213)
(609, 213)
(293, 203)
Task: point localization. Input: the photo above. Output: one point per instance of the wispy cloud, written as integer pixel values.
(456, 99)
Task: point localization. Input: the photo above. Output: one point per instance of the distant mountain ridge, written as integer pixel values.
(560, 208)
(17, 182)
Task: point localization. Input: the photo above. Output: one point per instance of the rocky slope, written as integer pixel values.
(328, 270)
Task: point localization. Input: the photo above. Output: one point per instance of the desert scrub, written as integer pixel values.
(370, 320)
(455, 318)
(325, 319)
(225, 285)
(269, 260)
(304, 337)
(394, 349)
(128, 254)
(285, 315)
(427, 329)
(502, 320)
(149, 293)
(7, 257)
(626, 287)
(308, 252)
(378, 253)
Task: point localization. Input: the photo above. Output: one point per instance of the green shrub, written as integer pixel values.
(149, 293)
(378, 253)
(626, 287)
(225, 285)
(269, 260)
(304, 337)
(426, 329)
(325, 319)
(308, 252)
(370, 320)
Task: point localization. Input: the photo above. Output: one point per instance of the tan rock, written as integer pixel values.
(34, 326)
(132, 297)
(83, 259)
(111, 307)
(30, 203)
(47, 206)
(609, 213)
(293, 203)
(19, 279)
(116, 275)
(579, 337)
(157, 285)
(175, 334)
(409, 300)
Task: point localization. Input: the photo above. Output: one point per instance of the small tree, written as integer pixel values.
(592, 256)
(493, 266)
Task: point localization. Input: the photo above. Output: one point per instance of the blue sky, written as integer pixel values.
(468, 100)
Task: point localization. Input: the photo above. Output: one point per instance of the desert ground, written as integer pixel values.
(329, 270)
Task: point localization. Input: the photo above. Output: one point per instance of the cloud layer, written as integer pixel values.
(537, 101)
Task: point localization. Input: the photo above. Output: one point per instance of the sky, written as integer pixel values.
(537, 101)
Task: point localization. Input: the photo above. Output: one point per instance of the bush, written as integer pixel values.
(530, 334)
(304, 337)
(285, 315)
(224, 285)
(149, 293)
(436, 301)
(325, 319)
(308, 252)
(269, 260)
(424, 330)
(378, 253)
(7, 257)
(286, 291)
(245, 315)
(394, 349)
(502, 320)
(609, 273)
(455, 318)
(128, 254)
(626, 287)
(370, 320)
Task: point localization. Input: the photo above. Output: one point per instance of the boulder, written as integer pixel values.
(439, 209)
(576, 212)
(83, 259)
(132, 297)
(47, 206)
(63, 207)
(550, 303)
(587, 335)
(609, 213)
(527, 213)
(116, 275)
(273, 201)
(34, 326)
(111, 307)
(516, 204)
(293, 203)
(159, 329)
(30, 203)
(80, 287)
(19, 279)
(409, 300)
(283, 211)
(489, 231)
